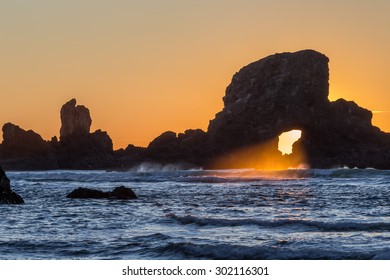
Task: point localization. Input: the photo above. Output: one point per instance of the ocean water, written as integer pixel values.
(196, 214)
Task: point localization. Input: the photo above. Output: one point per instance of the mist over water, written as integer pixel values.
(230, 214)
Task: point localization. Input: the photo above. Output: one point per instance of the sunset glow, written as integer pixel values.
(145, 67)
(262, 156)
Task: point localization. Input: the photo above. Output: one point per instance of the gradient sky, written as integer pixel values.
(144, 67)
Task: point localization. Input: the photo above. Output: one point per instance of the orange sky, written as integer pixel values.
(144, 67)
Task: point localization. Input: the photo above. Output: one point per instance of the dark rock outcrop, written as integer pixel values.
(290, 91)
(25, 150)
(7, 196)
(77, 148)
(118, 193)
(74, 119)
(276, 94)
(273, 95)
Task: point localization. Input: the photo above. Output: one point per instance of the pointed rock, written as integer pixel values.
(74, 119)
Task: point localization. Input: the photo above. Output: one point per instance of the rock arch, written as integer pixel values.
(290, 91)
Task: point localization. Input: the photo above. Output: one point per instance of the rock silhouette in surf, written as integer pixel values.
(7, 196)
(264, 99)
(118, 193)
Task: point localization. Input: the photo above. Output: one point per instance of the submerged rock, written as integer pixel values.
(87, 193)
(7, 196)
(118, 193)
(122, 193)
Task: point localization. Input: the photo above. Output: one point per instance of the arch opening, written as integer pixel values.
(287, 139)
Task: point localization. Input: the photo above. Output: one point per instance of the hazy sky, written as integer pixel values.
(144, 67)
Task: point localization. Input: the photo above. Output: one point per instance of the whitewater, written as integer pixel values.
(200, 214)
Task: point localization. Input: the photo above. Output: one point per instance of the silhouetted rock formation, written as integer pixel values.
(74, 119)
(265, 98)
(290, 91)
(269, 97)
(7, 196)
(118, 193)
(77, 148)
(23, 149)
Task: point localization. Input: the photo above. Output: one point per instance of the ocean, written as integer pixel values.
(200, 214)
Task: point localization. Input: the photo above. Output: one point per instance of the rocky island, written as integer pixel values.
(290, 91)
(264, 99)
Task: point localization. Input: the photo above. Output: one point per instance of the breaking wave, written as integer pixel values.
(190, 250)
(304, 224)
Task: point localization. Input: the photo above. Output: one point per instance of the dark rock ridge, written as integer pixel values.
(264, 99)
(7, 196)
(118, 193)
(23, 149)
(77, 148)
(85, 151)
(184, 147)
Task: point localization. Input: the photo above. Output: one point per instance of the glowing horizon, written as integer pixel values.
(145, 67)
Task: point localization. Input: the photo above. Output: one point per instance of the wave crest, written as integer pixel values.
(344, 226)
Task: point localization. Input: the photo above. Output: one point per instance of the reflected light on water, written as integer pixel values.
(232, 175)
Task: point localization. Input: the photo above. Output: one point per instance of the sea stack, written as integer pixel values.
(75, 120)
(78, 148)
(289, 91)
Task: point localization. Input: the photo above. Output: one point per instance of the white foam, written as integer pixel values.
(157, 167)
